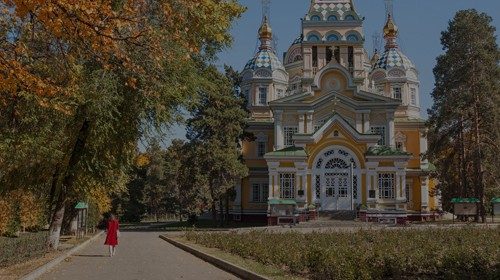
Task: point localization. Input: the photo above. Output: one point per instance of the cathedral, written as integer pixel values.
(335, 128)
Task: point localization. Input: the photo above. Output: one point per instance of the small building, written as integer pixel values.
(465, 207)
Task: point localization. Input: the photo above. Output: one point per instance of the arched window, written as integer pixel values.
(350, 17)
(313, 38)
(332, 38)
(332, 18)
(352, 38)
(315, 18)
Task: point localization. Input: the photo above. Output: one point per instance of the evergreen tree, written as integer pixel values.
(217, 124)
(154, 189)
(464, 120)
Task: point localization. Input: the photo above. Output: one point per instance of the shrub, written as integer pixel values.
(17, 250)
(468, 253)
(5, 216)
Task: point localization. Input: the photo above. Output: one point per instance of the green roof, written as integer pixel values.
(386, 151)
(282, 201)
(289, 152)
(430, 167)
(81, 205)
(495, 200)
(464, 200)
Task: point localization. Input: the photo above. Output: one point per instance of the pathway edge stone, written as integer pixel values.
(53, 263)
(222, 264)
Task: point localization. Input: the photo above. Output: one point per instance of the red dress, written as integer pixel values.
(112, 235)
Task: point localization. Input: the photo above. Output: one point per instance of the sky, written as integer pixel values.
(420, 25)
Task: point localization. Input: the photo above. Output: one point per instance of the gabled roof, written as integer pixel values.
(302, 139)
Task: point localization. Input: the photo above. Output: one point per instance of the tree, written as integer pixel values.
(100, 75)
(464, 120)
(154, 189)
(217, 123)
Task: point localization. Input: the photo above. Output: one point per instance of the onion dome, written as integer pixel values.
(392, 56)
(390, 28)
(265, 31)
(266, 56)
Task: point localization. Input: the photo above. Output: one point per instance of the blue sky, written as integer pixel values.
(420, 23)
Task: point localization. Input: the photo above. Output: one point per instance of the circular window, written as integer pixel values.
(349, 17)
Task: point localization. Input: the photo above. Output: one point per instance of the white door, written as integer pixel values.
(336, 193)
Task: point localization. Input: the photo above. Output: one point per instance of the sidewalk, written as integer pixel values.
(140, 255)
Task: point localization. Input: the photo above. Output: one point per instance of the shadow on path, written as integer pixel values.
(92, 256)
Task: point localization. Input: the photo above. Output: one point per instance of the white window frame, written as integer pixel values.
(259, 192)
(379, 130)
(386, 186)
(263, 92)
(288, 132)
(397, 93)
(287, 186)
(413, 96)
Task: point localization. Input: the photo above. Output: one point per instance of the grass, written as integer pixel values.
(457, 253)
(23, 248)
(259, 268)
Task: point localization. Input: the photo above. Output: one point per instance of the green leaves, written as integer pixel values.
(464, 120)
(372, 254)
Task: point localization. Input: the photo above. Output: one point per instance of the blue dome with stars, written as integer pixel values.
(391, 58)
(266, 59)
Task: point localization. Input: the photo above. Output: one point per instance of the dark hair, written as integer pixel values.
(112, 216)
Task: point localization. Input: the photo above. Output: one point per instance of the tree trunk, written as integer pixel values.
(227, 209)
(67, 184)
(479, 164)
(463, 163)
(53, 189)
(221, 214)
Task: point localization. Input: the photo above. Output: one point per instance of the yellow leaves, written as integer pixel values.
(30, 209)
(5, 215)
(142, 160)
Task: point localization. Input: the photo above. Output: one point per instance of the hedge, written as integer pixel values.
(369, 254)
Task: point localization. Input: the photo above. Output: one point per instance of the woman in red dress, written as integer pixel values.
(112, 234)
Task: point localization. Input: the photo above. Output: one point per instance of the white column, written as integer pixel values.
(278, 130)
(301, 123)
(423, 146)
(424, 192)
(302, 179)
(359, 122)
(273, 180)
(390, 129)
(309, 122)
(366, 122)
(371, 180)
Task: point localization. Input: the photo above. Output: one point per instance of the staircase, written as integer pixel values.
(340, 215)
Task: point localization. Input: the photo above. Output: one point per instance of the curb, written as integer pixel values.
(48, 266)
(224, 265)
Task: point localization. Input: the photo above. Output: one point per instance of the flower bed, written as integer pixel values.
(25, 247)
(383, 254)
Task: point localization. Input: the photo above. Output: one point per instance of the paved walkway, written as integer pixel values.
(140, 255)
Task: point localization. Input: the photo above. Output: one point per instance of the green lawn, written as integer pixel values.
(466, 253)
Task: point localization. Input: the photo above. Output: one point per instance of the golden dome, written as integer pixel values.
(390, 28)
(265, 31)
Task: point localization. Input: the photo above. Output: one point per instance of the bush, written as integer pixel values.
(386, 254)
(20, 210)
(26, 247)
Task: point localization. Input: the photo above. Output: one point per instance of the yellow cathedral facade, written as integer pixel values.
(335, 129)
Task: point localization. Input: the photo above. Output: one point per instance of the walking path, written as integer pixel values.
(140, 255)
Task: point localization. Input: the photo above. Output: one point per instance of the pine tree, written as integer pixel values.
(464, 120)
(217, 124)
